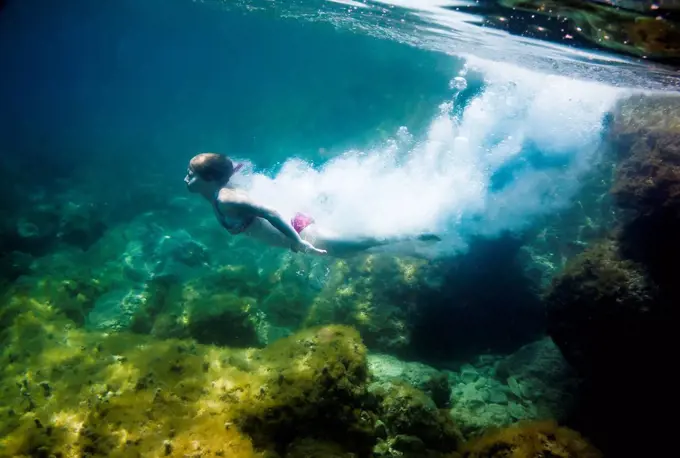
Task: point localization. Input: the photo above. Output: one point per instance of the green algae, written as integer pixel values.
(376, 295)
(70, 392)
(532, 439)
(414, 422)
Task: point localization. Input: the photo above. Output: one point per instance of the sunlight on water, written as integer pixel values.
(349, 3)
(452, 27)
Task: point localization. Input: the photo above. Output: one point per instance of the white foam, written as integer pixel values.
(442, 183)
(350, 3)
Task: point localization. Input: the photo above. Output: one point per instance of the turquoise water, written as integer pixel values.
(143, 87)
(173, 80)
(379, 118)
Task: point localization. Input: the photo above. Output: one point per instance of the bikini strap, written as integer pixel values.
(220, 217)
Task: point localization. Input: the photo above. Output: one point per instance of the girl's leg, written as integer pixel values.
(338, 246)
(345, 247)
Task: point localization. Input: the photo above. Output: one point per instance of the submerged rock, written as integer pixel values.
(115, 309)
(624, 29)
(376, 294)
(385, 367)
(13, 265)
(535, 382)
(415, 425)
(612, 309)
(199, 309)
(65, 391)
(538, 373)
(314, 385)
(604, 312)
(531, 440)
(312, 448)
(51, 222)
(645, 133)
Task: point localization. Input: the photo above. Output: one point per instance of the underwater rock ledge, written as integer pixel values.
(70, 392)
(611, 311)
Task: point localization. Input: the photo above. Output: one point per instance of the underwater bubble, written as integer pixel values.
(459, 83)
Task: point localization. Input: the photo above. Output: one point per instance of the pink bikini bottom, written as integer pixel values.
(300, 221)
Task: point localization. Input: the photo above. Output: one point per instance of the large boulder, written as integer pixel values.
(531, 440)
(645, 134)
(605, 313)
(612, 310)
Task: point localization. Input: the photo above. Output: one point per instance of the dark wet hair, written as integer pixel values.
(212, 166)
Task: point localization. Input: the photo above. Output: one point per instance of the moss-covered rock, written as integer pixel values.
(530, 440)
(65, 391)
(414, 424)
(197, 309)
(604, 312)
(645, 133)
(311, 448)
(311, 383)
(612, 305)
(74, 292)
(71, 393)
(376, 295)
(612, 310)
(621, 30)
(219, 318)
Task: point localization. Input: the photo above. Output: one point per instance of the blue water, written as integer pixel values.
(121, 79)
(378, 118)
(349, 112)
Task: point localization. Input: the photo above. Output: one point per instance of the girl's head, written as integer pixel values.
(212, 167)
(208, 170)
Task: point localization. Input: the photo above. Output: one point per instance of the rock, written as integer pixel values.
(530, 439)
(613, 307)
(540, 360)
(538, 373)
(114, 310)
(316, 384)
(473, 418)
(515, 387)
(408, 444)
(498, 397)
(81, 225)
(605, 314)
(534, 382)
(468, 374)
(439, 389)
(380, 430)
(409, 412)
(310, 448)
(518, 411)
(222, 319)
(386, 367)
(15, 264)
(645, 134)
(158, 254)
(376, 294)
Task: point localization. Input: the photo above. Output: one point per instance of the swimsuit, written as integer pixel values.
(299, 222)
(239, 225)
